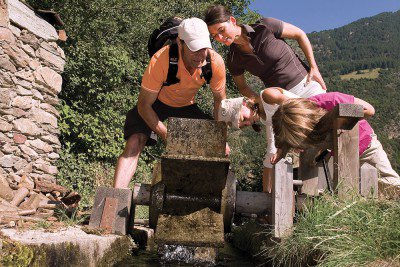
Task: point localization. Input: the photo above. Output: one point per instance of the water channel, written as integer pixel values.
(228, 256)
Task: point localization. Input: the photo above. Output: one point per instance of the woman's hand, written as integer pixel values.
(315, 75)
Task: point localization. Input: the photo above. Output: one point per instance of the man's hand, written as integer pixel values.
(163, 136)
(315, 75)
(145, 109)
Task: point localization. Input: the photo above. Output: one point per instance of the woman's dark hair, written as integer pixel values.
(216, 14)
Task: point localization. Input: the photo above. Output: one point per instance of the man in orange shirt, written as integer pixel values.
(158, 101)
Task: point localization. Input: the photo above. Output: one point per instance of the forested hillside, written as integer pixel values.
(106, 56)
(367, 43)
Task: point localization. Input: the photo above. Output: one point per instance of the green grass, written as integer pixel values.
(70, 218)
(360, 74)
(335, 233)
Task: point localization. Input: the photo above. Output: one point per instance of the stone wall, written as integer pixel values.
(30, 67)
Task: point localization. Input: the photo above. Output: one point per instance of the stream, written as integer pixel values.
(228, 256)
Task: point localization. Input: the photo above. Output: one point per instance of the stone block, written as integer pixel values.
(7, 161)
(71, 246)
(6, 63)
(19, 138)
(4, 18)
(24, 17)
(42, 117)
(6, 35)
(40, 145)
(124, 197)
(5, 126)
(22, 102)
(25, 75)
(51, 60)
(28, 151)
(49, 78)
(26, 126)
(30, 39)
(17, 55)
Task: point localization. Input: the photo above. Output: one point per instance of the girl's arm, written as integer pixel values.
(369, 110)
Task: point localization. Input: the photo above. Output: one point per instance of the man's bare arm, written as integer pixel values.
(145, 102)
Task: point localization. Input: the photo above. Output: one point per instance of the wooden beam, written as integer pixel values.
(368, 181)
(253, 202)
(346, 148)
(109, 214)
(309, 172)
(19, 196)
(141, 194)
(282, 199)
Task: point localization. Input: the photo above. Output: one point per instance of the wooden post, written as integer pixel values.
(368, 181)
(282, 199)
(4, 18)
(309, 172)
(141, 194)
(345, 148)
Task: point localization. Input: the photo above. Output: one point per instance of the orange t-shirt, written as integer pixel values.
(183, 93)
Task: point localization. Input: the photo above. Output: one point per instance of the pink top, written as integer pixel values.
(329, 100)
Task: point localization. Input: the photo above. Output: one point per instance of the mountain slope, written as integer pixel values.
(366, 43)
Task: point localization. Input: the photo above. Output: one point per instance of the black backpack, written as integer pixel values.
(165, 35)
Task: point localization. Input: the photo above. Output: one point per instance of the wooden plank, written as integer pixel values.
(282, 199)
(109, 214)
(31, 203)
(156, 173)
(124, 197)
(24, 17)
(368, 181)
(346, 161)
(141, 194)
(4, 19)
(19, 196)
(253, 202)
(308, 172)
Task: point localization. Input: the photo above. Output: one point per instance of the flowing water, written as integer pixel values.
(227, 256)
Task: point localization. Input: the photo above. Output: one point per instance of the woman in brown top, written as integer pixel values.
(260, 49)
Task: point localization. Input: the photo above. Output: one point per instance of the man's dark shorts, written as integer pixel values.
(135, 124)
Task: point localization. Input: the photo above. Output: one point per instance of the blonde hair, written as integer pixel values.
(300, 123)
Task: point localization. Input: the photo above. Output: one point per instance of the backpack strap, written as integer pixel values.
(173, 65)
(206, 70)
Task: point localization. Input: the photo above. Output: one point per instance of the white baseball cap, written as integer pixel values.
(194, 33)
(229, 111)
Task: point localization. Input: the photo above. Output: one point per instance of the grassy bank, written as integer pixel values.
(335, 233)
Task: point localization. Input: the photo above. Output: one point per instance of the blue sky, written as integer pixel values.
(317, 15)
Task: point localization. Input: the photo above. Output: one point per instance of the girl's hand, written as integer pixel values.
(276, 157)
